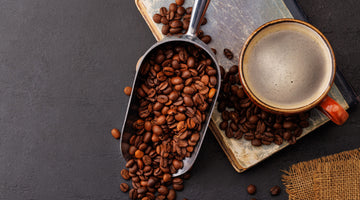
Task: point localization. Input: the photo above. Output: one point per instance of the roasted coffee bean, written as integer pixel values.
(163, 190)
(179, 2)
(125, 174)
(147, 160)
(181, 11)
(213, 50)
(177, 164)
(139, 154)
(175, 30)
(157, 18)
(224, 125)
(130, 163)
(234, 69)
(165, 29)
(256, 142)
(178, 187)
(133, 194)
(115, 133)
(171, 195)
(173, 7)
(206, 39)
(163, 11)
(204, 21)
(127, 90)
(251, 189)
(188, 10)
(288, 125)
(275, 190)
(164, 20)
(176, 24)
(186, 24)
(124, 187)
(228, 54)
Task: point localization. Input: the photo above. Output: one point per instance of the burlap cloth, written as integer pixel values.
(332, 177)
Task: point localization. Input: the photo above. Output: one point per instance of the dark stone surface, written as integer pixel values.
(63, 66)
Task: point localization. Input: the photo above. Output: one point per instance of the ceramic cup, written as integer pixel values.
(287, 66)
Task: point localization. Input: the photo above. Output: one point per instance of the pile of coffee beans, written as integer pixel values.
(178, 85)
(176, 20)
(242, 118)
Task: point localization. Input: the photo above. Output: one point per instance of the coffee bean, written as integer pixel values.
(288, 125)
(253, 119)
(127, 90)
(178, 187)
(139, 154)
(204, 21)
(125, 174)
(188, 10)
(179, 2)
(176, 24)
(124, 187)
(186, 24)
(212, 93)
(177, 164)
(234, 69)
(206, 39)
(172, 7)
(115, 133)
(163, 190)
(256, 142)
(228, 54)
(275, 190)
(181, 10)
(164, 20)
(224, 125)
(133, 194)
(171, 195)
(251, 189)
(157, 18)
(165, 29)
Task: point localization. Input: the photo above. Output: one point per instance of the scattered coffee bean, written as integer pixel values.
(275, 190)
(228, 54)
(213, 50)
(124, 187)
(127, 90)
(206, 39)
(251, 189)
(115, 133)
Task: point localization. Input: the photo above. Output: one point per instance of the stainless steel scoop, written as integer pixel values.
(198, 13)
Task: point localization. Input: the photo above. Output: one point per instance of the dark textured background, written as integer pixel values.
(63, 66)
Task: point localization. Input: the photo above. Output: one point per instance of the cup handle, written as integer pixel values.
(333, 110)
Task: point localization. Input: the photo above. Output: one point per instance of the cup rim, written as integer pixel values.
(274, 109)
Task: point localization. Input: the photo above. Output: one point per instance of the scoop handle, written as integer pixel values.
(333, 110)
(197, 15)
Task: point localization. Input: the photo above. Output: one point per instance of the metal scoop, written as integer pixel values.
(198, 13)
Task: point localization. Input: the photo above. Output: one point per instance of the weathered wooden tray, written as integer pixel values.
(229, 24)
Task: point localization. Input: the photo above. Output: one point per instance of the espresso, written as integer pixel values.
(288, 65)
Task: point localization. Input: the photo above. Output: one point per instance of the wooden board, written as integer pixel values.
(230, 22)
